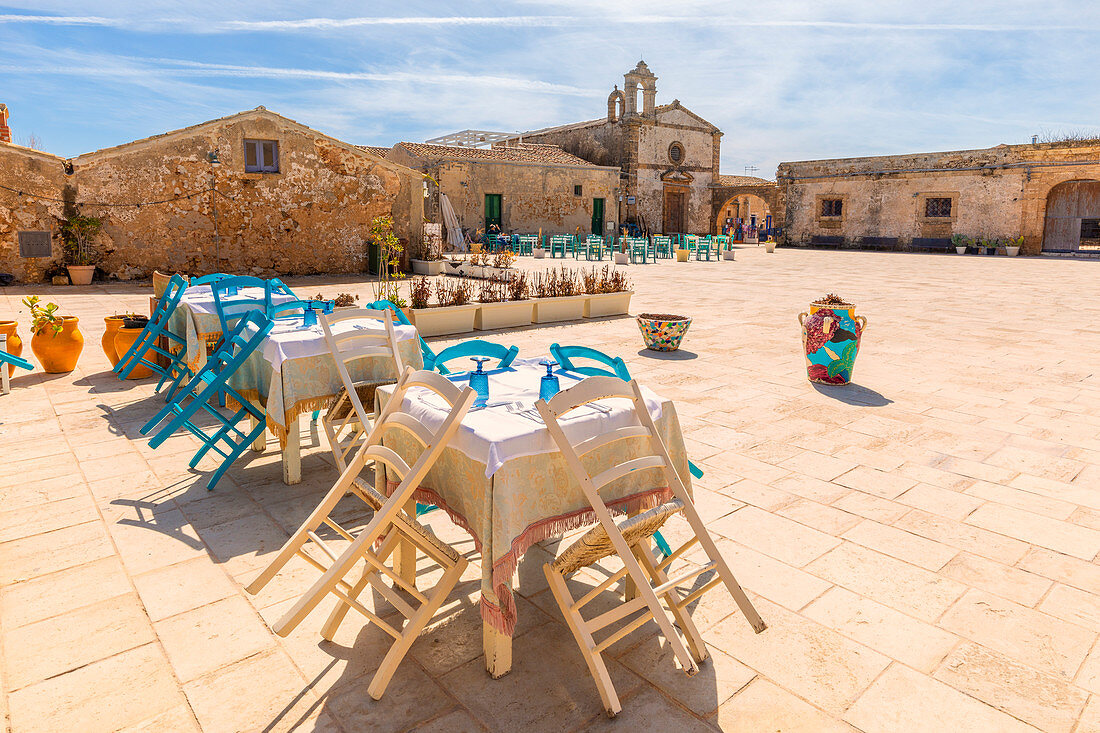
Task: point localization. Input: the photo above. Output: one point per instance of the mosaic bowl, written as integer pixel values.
(663, 331)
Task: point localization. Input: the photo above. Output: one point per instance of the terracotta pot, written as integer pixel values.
(831, 335)
(58, 353)
(113, 323)
(14, 345)
(81, 274)
(663, 332)
(124, 339)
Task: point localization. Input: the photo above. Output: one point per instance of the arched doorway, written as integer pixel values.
(1072, 217)
(747, 211)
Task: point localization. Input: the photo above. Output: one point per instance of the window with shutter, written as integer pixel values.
(261, 156)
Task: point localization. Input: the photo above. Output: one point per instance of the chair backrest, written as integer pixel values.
(661, 241)
(613, 366)
(210, 279)
(350, 344)
(246, 335)
(287, 309)
(594, 239)
(528, 239)
(167, 303)
(275, 285)
(230, 308)
(474, 347)
(655, 457)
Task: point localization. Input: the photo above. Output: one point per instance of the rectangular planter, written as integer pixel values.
(539, 252)
(427, 267)
(568, 308)
(607, 304)
(727, 254)
(443, 321)
(509, 314)
(682, 255)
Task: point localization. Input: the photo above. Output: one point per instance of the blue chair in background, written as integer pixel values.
(610, 366)
(475, 347)
(210, 279)
(146, 347)
(9, 359)
(560, 245)
(399, 315)
(662, 247)
(210, 387)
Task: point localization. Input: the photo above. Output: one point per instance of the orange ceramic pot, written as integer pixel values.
(58, 352)
(14, 345)
(108, 341)
(124, 339)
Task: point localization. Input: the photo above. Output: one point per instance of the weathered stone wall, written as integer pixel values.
(312, 216)
(653, 142)
(601, 144)
(996, 192)
(533, 196)
(29, 171)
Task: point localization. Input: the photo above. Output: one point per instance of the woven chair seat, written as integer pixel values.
(376, 500)
(595, 544)
(340, 406)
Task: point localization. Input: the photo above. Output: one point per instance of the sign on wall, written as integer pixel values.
(35, 244)
(630, 199)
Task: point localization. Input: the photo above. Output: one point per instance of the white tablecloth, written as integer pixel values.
(508, 426)
(290, 339)
(200, 298)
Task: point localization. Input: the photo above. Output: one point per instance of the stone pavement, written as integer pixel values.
(923, 544)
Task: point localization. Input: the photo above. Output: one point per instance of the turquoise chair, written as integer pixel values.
(638, 248)
(210, 279)
(475, 347)
(288, 309)
(611, 366)
(703, 248)
(231, 308)
(5, 360)
(525, 243)
(560, 245)
(208, 390)
(594, 247)
(147, 345)
(662, 247)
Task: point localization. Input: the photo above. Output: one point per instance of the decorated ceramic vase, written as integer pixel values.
(830, 339)
(662, 331)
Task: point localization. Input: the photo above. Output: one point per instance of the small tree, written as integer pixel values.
(78, 239)
(389, 260)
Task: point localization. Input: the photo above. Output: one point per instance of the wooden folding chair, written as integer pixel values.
(629, 539)
(347, 419)
(389, 524)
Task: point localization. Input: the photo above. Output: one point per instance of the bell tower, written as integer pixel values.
(640, 77)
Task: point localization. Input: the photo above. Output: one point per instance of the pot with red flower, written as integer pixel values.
(831, 333)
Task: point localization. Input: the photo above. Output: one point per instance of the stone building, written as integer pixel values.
(668, 156)
(1049, 193)
(288, 200)
(521, 188)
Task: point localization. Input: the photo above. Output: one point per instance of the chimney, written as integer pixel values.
(5, 131)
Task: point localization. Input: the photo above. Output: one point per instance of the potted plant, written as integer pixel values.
(608, 292)
(1012, 246)
(499, 265)
(960, 242)
(539, 250)
(14, 345)
(831, 333)
(663, 331)
(57, 341)
(558, 296)
(78, 235)
(454, 312)
(504, 304)
(386, 286)
(427, 259)
(769, 246)
(622, 257)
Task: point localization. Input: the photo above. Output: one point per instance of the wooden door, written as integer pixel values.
(492, 211)
(597, 216)
(675, 210)
(1072, 216)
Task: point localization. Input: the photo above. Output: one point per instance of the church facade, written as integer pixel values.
(667, 155)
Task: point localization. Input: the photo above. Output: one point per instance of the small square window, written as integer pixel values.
(832, 207)
(577, 190)
(261, 156)
(937, 208)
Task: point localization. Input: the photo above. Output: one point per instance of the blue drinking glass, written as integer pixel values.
(479, 381)
(548, 385)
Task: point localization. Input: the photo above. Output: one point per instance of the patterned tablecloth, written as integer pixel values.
(503, 479)
(293, 372)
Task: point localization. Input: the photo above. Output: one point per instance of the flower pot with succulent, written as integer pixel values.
(14, 345)
(663, 331)
(1012, 246)
(608, 291)
(57, 341)
(769, 246)
(78, 242)
(831, 334)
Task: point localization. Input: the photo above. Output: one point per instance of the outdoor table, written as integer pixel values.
(294, 372)
(503, 479)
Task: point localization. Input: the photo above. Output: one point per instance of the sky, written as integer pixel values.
(785, 81)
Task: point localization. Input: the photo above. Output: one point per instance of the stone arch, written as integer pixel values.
(769, 193)
(616, 105)
(1071, 217)
(750, 208)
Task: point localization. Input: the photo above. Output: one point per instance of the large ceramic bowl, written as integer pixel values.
(663, 331)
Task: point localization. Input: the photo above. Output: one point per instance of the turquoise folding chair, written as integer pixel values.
(475, 347)
(638, 248)
(559, 245)
(5, 360)
(209, 389)
(703, 248)
(147, 344)
(593, 245)
(210, 279)
(662, 247)
(612, 366)
(229, 306)
(288, 309)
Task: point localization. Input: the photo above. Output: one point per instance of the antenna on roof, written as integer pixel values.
(750, 169)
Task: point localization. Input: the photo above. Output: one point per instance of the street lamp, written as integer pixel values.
(212, 159)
